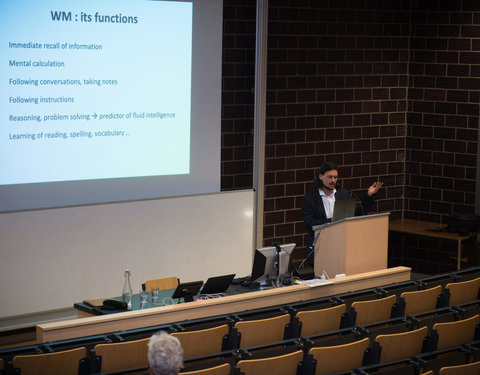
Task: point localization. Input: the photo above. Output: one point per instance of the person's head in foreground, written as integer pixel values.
(165, 354)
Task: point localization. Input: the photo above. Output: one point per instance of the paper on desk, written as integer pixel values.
(94, 302)
(314, 282)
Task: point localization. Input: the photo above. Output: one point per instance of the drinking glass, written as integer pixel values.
(143, 298)
(155, 295)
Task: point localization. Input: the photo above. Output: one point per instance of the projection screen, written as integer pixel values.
(105, 101)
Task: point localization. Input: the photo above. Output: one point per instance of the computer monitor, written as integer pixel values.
(187, 290)
(217, 284)
(271, 263)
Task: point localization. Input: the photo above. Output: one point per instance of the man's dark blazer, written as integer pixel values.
(313, 210)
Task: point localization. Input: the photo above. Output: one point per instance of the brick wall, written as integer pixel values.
(442, 131)
(386, 89)
(238, 81)
(443, 109)
(337, 90)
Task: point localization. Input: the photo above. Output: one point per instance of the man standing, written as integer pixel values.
(317, 204)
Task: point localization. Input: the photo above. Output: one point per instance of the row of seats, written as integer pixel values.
(443, 361)
(367, 311)
(296, 320)
(387, 347)
(307, 359)
(413, 298)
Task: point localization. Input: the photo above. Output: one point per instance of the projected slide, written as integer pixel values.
(94, 89)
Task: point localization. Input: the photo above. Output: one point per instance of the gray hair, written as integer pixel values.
(165, 354)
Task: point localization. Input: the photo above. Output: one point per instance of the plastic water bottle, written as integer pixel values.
(127, 289)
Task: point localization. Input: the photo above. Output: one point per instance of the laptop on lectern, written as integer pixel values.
(343, 209)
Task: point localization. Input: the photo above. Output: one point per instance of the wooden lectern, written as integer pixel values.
(354, 245)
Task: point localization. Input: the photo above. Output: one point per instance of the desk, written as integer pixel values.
(428, 229)
(213, 307)
(84, 310)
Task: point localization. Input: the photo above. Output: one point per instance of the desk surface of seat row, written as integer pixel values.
(226, 305)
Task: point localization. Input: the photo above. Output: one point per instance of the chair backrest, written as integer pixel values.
(122, 355)
(279, 365)
(374, 310)
(421, 300)
(340, 357)
(165, 283)
(456, 333)
(464, 291)
(401, 345)
(262, 331)
(62, 363)
(323, 320)
(217, 370)
(205, 341)
(468, 369)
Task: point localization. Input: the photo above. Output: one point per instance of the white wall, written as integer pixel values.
(50, 259)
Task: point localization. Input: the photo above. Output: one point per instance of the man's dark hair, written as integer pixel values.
(325, 167)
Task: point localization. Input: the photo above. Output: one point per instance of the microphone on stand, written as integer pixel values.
(307, 272)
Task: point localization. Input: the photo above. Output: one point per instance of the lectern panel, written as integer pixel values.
(351, 246)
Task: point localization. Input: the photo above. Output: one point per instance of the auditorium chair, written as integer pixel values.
(224, 369)
(468, 369)
(262, 331)
(463, 291)
(361, 295)
(286, 364)
(66, 362)
(374, 310)
(164, 283)
(386, 327)
(452, 356)
(340, 357)
(204, 341)
(319, 321)
(122, 355)
(401, 345)
(401, 287)
(456, 333)
(421, 300)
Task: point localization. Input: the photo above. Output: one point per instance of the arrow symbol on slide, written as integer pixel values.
(94, 116)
